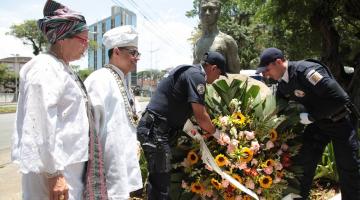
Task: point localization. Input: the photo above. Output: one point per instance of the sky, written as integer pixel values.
(163, 28)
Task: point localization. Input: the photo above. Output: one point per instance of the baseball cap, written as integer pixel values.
(267, 56)
(215, 58)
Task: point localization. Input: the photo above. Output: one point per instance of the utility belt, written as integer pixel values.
(158, 124)
(340, 114)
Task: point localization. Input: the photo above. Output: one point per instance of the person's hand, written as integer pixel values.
(304, 118)
(58, 188)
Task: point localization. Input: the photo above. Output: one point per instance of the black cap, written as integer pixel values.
(267, 56)
(215, 58)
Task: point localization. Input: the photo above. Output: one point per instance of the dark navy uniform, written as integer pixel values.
(166, 113)
(312, 85)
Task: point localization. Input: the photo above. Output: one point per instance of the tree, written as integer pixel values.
(7, 79)
(84, 73)
(29, 32)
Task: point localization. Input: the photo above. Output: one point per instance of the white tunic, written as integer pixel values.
(51, 128)
(118, 135)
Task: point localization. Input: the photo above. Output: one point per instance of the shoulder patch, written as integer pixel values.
(314, 77)
(200, 88)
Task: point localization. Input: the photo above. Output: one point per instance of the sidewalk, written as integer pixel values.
(10, 179)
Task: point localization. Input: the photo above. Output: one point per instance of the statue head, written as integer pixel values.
(209, 11)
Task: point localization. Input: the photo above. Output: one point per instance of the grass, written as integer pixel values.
(9, 108)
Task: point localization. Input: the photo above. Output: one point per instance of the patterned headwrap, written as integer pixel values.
(60, 22)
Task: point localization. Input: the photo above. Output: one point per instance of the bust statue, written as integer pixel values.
(214, 40)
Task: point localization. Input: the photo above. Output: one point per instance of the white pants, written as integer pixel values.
(35, 186)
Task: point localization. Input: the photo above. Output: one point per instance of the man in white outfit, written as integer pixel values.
(115, 112)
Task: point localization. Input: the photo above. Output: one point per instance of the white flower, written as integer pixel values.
(224, 120)
(233, 132)
(254, 162)
(269, 144)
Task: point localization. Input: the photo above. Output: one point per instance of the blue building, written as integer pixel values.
(98, 57)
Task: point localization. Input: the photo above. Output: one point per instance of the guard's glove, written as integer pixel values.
(216, 135)
(304, 118)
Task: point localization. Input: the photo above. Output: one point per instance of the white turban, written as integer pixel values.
(123, 36)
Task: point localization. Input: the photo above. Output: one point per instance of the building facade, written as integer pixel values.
(97, 53)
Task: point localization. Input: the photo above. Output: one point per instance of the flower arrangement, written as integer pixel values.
(251, 148)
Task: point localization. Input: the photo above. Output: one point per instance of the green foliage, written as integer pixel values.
(327, 166)
(7, 78)
(30, 34)
(83, 74)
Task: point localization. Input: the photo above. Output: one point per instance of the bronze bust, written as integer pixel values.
(214, 40)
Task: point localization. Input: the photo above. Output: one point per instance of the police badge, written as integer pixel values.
(200, 88)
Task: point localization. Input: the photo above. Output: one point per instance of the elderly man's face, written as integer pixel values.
(129, 57)
(209, 12)
(76, 46)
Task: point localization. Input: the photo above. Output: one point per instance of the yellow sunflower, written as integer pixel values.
(216, 183)
(268, 162)
(273, 135)
(221, 160)
(197, 187)
(239, 118)
(265, 181)
(246, 154)
(238, 178)
(192, 157)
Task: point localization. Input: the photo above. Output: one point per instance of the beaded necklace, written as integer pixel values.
(130, 109)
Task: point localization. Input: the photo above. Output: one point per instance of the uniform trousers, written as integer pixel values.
(343, 135)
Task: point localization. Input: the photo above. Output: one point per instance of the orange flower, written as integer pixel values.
(216, 183)
(246, 154)
(273, 135)
(265, 181)
(247, 197)
(221, 160)
(280, 174)
(192, 157)
(197, 187)
(269, 162)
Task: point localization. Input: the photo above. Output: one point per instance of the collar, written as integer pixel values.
(285, 76)
(203, 71)
(117, 71)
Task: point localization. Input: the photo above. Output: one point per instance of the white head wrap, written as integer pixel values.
(123, 36)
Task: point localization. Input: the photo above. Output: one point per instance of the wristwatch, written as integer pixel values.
(55, 174)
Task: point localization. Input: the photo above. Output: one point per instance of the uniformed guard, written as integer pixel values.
(329, 117)
(177, 97)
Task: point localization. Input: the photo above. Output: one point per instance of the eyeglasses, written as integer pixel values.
(82, 40)
(133, 52)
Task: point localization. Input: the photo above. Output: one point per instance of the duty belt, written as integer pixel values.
(159, 123)
(342, 113)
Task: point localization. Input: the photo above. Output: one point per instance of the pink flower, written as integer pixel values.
(230, 148)
(284, 147)
(249, 135)
(185, 163)
(276, 180)
(184, 185)
(208, 167)
(250, 184)
(224, 183)
(255, 146)
(208, 193)
(241, 165)
(279, 152)
(224, 139)
(234, 142)
(259, 191)
(269, 170)
(278, 166)
(254, 161)
(269, 144)
(241, 134)
(224, 120)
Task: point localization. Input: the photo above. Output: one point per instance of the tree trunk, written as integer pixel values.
(321, 20)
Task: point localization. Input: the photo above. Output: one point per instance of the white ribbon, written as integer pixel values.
(209, 159)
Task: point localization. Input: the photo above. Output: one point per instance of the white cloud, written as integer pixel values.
(12, 45)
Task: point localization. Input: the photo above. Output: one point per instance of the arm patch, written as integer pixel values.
(314, 77)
